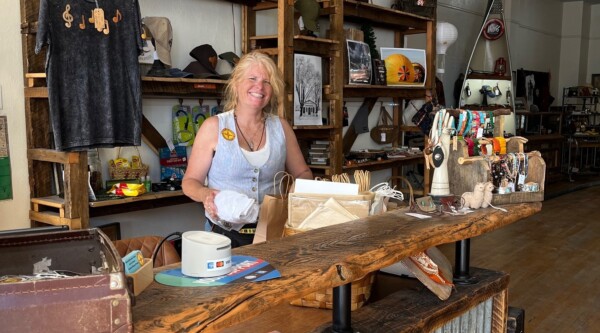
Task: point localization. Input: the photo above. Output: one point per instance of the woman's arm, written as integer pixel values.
(193, 183)
(295, 163)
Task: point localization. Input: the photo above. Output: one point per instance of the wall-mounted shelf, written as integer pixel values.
(481, 76)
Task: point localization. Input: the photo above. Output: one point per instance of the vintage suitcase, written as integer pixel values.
(93, 296)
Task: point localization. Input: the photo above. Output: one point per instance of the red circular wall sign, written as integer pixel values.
(493, 29)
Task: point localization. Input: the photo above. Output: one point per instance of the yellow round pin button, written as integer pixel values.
(228, 134)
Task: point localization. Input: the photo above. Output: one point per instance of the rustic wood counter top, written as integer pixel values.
(311, 261)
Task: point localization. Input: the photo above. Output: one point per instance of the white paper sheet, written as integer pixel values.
(321, 187)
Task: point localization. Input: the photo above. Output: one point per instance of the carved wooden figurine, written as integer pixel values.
(474, 199)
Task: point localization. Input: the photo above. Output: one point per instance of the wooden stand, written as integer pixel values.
(467, 171)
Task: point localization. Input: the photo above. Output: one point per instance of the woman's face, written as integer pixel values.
(254, 90)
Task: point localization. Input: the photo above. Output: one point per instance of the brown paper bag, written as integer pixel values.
(274, 210)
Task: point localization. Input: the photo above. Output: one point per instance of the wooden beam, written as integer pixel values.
(151, 136)
(351, 135)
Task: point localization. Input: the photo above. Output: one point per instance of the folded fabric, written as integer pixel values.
(236, 208)
(329, 213)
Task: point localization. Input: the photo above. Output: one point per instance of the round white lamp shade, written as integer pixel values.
(445, 36)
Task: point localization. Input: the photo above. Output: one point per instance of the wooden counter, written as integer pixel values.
(311, 261)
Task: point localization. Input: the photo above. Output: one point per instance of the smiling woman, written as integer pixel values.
(243, 148)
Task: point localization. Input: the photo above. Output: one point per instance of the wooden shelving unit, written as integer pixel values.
(74, 209)
(331, 49)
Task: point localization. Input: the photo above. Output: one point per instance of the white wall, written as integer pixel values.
(542, 38)
(534, 35)
(13, 213)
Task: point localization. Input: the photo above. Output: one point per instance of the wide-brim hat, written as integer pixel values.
(309, 10)
(201, 72)
(230, 57)
(162, 33)
(203, 68)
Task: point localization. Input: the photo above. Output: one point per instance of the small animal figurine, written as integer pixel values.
(487, 194)
(474, 199)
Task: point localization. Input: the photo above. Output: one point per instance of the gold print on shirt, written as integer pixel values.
(67, 17)
(106, 30)
(82, 24)
(118, 17)
(99, 21)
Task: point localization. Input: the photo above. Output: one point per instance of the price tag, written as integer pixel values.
(521, 180)
(479, 132)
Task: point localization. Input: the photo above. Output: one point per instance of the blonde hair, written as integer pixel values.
(238, 74)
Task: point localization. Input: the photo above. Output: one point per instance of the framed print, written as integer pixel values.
(596, 81)
(359, 62)
(404, 67)
(308, 90)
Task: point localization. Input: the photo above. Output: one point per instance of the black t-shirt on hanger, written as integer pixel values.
(92, 71)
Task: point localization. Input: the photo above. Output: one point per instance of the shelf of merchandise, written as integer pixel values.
(582, 125)
(335, 90)
(73, 207)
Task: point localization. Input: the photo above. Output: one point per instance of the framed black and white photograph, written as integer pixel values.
(359, 62)
(308, 90)
(404, 67)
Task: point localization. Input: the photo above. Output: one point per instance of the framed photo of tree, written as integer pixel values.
(359, 62)
(308, 90)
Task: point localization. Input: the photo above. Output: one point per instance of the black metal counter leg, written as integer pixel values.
(461, 267)
(342, 322)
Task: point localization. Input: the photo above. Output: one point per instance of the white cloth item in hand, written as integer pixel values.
(236, 208)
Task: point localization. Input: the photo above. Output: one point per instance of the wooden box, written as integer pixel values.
(142, 278)
(93, 296)
(465, 172)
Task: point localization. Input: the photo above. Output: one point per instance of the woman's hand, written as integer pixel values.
(209, 204)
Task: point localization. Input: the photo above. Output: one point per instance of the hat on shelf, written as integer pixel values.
(176, 72)
(230, 57)
(309, 10)
(162, 34)
(487, 90)
(206, 62)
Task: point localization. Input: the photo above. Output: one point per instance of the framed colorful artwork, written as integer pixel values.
(404, 67)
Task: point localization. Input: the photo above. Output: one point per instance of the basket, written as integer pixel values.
(128, 172)
(412, 6)
(360, 290)
(411, 197)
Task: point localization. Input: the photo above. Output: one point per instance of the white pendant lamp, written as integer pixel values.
(446, 35)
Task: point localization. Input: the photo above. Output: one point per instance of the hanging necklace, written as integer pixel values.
(250, 144)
